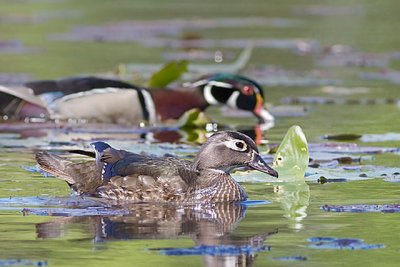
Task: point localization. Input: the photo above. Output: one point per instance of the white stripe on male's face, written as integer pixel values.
(232, 100)
(195, 84)
(208, 93)
(221, 84)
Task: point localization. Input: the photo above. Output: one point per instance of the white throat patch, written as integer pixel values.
(232, 99)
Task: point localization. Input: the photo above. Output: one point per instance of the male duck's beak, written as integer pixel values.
(259, 164)
(261, 112)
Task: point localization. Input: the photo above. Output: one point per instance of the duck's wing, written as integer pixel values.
(138, 178)
(164, 166)
(143, 188)
(151, 181)
(115, 162)
(160, 169)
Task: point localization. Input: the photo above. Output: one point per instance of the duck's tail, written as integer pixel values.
(20, 102)
(55, 165)
(83, 177)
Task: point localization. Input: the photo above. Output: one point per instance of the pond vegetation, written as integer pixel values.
(332, 68)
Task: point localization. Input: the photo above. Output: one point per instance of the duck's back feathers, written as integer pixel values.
(121, 175)
(123, 163)
(75, 85)
(155, 167)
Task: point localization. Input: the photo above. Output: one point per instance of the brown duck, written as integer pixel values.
(122, 176)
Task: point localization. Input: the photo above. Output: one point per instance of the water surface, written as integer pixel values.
(329, 67)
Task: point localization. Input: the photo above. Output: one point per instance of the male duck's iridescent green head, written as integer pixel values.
(235, 91)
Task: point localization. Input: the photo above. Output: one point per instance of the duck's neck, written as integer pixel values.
(218, 186)
(171, 104)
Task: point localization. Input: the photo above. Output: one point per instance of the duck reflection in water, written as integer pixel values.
(210, 227)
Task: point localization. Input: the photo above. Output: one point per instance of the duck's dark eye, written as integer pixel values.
(239, 145)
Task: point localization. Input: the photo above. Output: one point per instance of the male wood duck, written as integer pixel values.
(122, 176)
(112, 101)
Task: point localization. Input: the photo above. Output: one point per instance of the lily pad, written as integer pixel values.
(352, 173)
(291, 159)
(380, 137)
(341, 243)
(325, 158)
(350, 148)
(22, 262)
(385, 208)
(218, 250)
(168, 73)
(289, 111)
(291, 258)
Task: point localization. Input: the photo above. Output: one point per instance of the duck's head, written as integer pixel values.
(235, 91)
(229, 149)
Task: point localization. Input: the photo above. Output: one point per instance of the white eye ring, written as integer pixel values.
(236, 144)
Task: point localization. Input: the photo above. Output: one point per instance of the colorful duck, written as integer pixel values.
(113, 101)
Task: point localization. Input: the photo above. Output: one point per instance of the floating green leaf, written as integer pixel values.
(193, 118)
(168, 73)
(291, 159)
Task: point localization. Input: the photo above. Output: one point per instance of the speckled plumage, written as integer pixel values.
(122, 176)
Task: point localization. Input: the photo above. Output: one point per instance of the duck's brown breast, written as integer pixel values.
(171, 104)
(217, 186)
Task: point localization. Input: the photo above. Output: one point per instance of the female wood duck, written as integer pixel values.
(122, 176)
(113, 101)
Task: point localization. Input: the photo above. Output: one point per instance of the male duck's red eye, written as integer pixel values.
(247, 90)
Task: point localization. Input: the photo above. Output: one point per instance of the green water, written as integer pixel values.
(294, 213)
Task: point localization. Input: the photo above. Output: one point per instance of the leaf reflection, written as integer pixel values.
(294, 199)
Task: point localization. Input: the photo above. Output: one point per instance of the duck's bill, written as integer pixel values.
(259, 110)
(259, 164)
(264, 116)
